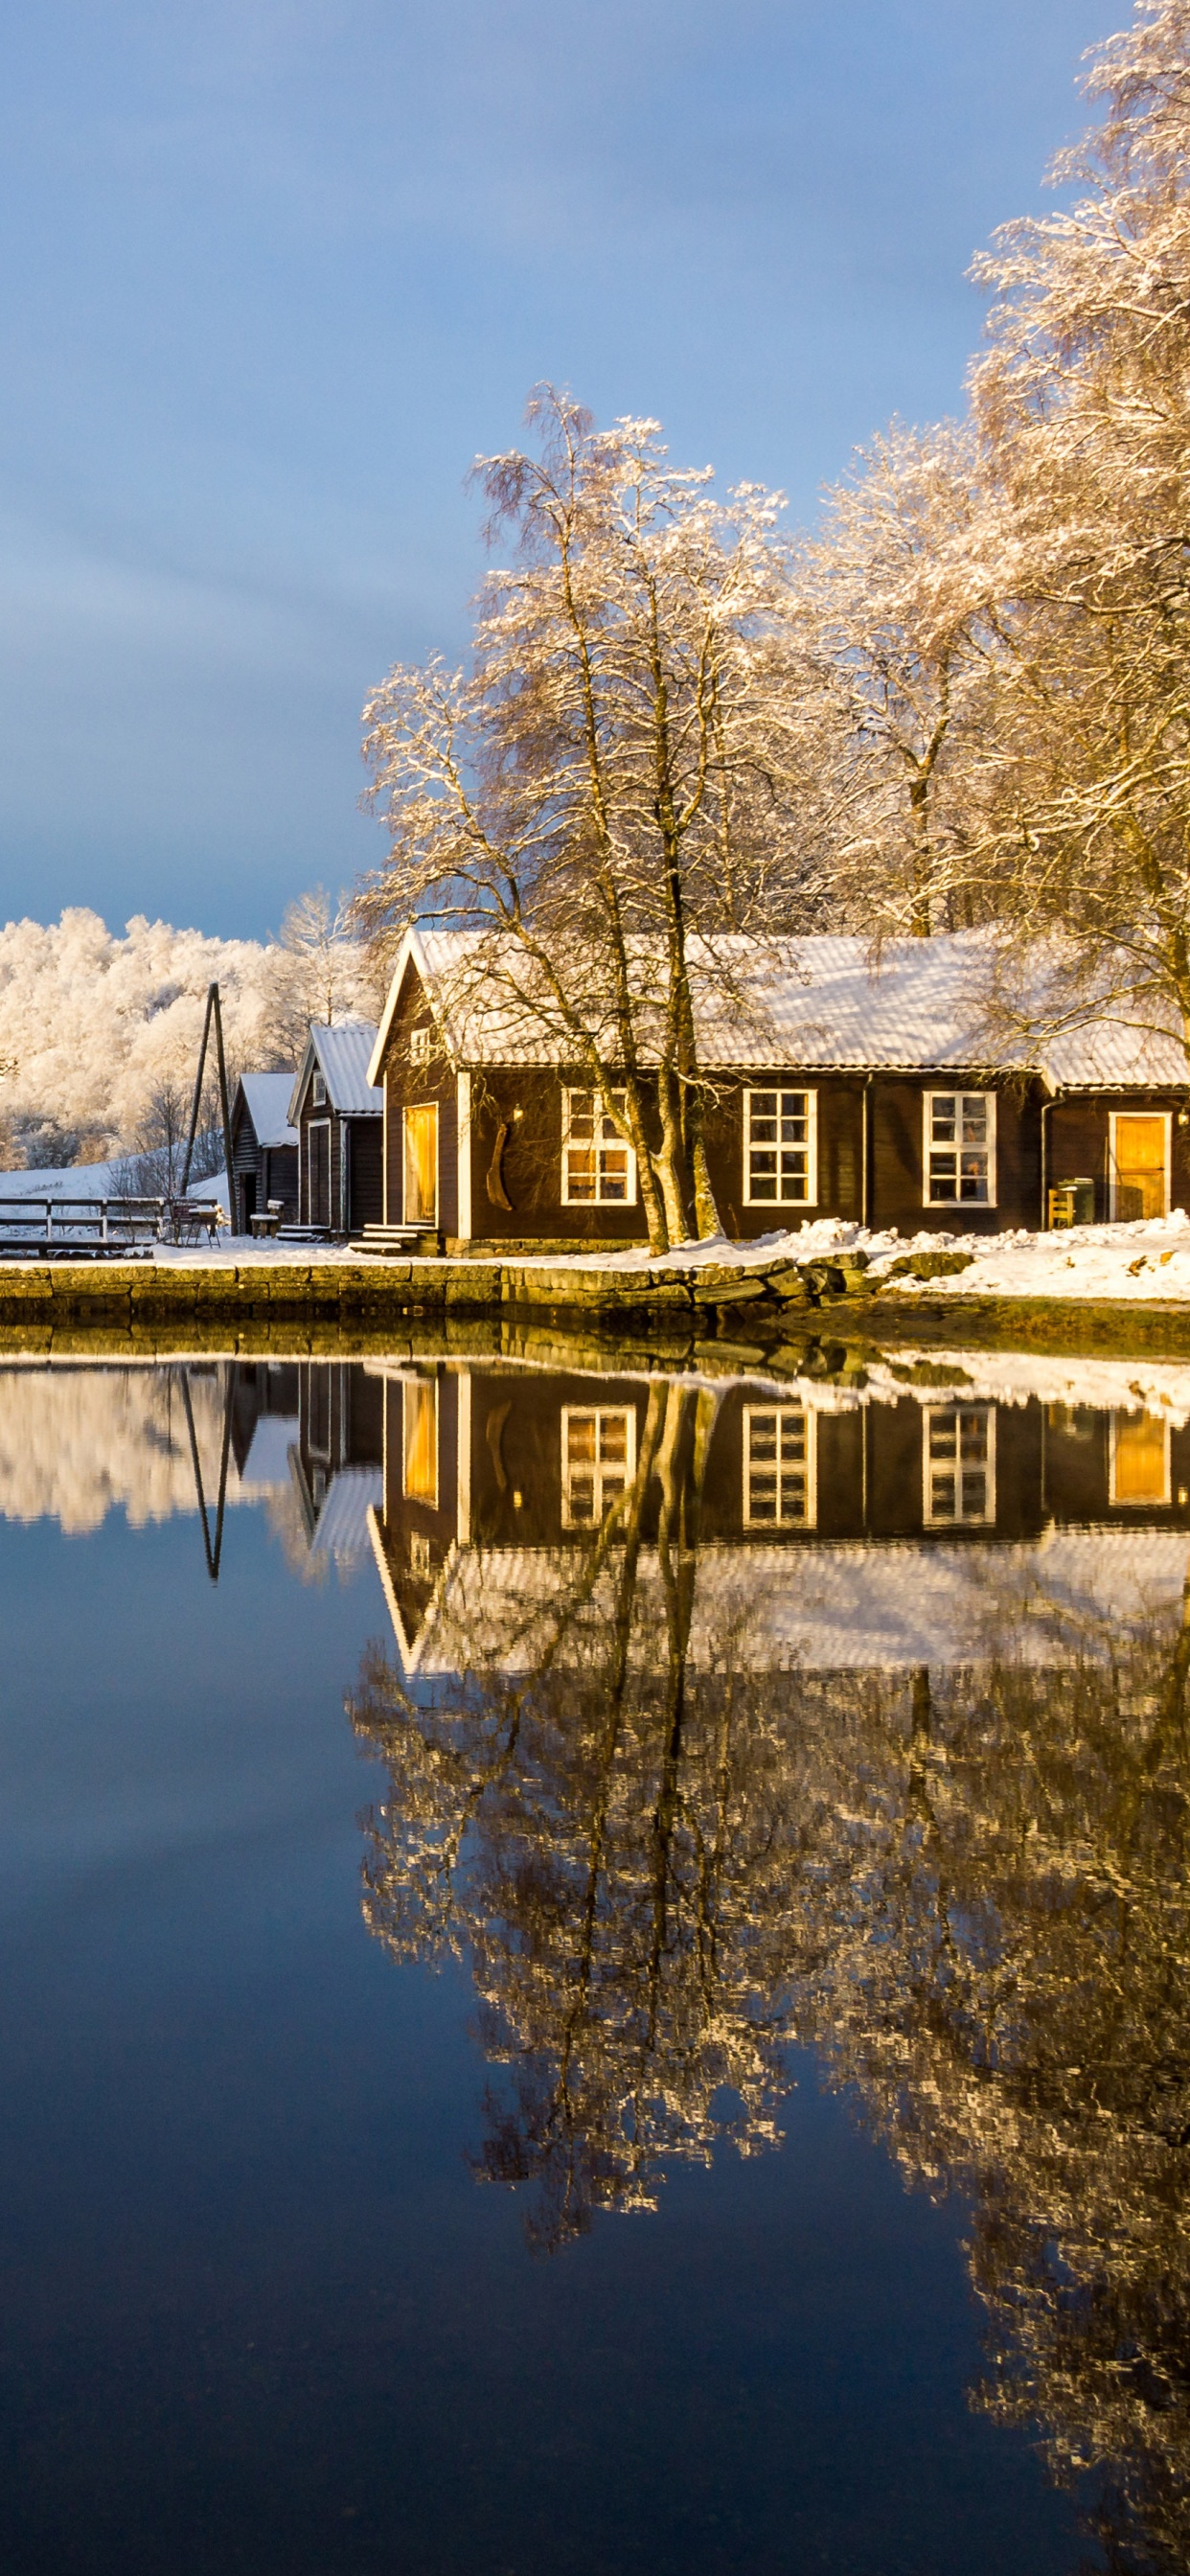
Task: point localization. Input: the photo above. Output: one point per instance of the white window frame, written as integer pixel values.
(781, 1089)
(624, 1470)
(419, 1043)
(958, 1519)
(599, 1197)
(1114, 1117)
(806, 1469)
(1128, 1502)
(927, 1149)
(317, 1090)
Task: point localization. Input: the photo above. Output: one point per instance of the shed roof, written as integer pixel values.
(342, 1053)
(815, 1004)
(266, 1097)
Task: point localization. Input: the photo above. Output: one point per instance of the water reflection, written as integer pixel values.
(725, 1716)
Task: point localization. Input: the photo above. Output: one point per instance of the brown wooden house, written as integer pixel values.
(863, 1092)
(339, 1118)
(264, 1148)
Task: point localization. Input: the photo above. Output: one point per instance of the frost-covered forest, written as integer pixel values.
(99, 1031)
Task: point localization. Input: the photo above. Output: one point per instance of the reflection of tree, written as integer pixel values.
(967, 1890)
(1005, 1983)
(611, 1839)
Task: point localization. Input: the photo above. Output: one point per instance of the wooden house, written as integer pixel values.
(339, 1118)
(264, 1148)
(821, 1531)
(864, 1090)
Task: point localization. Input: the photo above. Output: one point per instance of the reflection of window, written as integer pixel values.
(596, 1162)
(421, 1440)
(419, 1553)
(1139, 1460)
(960, 1148)
(959, 1464)
(780, 1148)
(598, 1461)
(778, 1467)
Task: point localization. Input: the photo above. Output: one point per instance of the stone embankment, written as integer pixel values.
(218, 1303)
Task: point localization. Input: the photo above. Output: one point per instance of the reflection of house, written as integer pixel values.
(264, 1147)
(882, 1521)
(339, 1119)
(336, 1459)
(847, 1092)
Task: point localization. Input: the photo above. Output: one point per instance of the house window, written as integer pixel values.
(1138, 1466)
(779, 1465)
(596, 1162)
(959, 1465)
(780, 1148)
(419, 1045)
(318, 1092)
(598, 1461)
(420, 1446)
(960, 1149)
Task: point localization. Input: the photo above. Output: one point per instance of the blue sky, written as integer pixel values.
(274, 270)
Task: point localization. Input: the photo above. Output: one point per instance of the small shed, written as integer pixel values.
(264, 1148)
(339, 1117)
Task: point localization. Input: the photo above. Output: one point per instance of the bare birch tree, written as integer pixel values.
(618, 785)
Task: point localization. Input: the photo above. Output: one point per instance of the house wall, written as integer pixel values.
(1049, 1464)
(1079, 1139)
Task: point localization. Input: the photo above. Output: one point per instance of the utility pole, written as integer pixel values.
(213, 1012)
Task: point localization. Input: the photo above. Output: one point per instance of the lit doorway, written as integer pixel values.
(421, 1165)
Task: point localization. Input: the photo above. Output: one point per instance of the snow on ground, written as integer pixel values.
(1145, 1260)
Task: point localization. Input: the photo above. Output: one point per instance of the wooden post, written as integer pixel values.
(213, 1011)
(212, 994)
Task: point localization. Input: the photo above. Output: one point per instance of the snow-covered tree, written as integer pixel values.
(617, 784)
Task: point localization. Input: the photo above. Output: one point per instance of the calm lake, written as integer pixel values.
(594, 1968)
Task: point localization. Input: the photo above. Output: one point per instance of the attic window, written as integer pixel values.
(318, 1091)
(419, 1045)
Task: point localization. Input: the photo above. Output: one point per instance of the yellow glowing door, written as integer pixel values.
(421, 1440)
(421, 1166)
(1139, 1167)
(1139, 1460)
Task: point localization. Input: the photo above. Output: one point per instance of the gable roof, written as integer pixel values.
(266, 1099)
(821, 1004)
(342, 1054)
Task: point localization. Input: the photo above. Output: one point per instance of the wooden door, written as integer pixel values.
(319, 1147)
(421, 1165)
(1138, 1166)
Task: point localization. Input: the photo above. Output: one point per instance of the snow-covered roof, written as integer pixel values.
(765, 1609)
(341, 1530)
(818, 1004)
(266, 1097)
(342, 1053)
